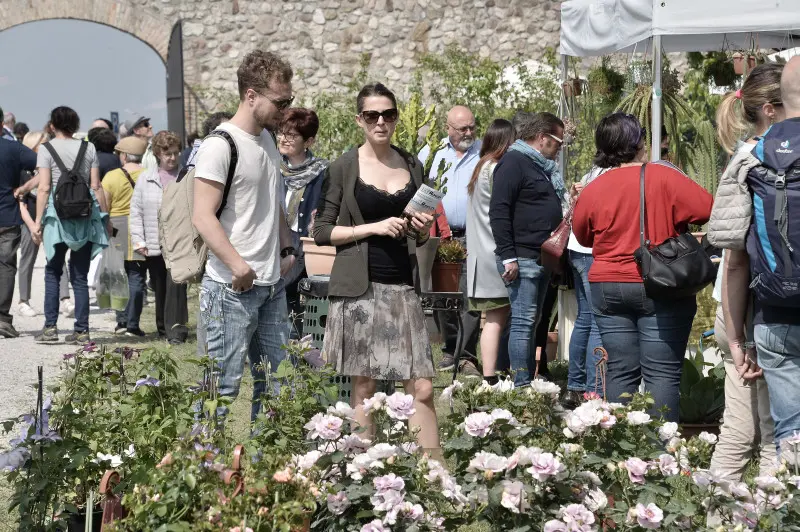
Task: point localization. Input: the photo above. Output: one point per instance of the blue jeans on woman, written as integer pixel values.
(585, 334)
(527, 293)
(79, 262)
(645, 339)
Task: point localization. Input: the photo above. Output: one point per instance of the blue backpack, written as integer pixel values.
(773, 241)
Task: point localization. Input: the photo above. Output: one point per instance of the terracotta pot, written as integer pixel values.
(577, 87)
(551, 350)
(567, 87)
(738, 63)
(751, 62)
(694, 429)
(446, 276)
(319, 259)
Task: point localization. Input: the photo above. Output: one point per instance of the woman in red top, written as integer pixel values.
(645, 338)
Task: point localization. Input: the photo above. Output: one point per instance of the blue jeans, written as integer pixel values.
(778, 348)
(527, 293)
(79, 262)
(645, 339)
(585, 335)
(252, 324)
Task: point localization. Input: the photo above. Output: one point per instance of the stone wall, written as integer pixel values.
(323, 39)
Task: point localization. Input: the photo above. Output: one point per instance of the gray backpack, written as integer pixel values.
(182, 247)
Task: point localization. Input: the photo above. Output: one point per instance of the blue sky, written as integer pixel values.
(92, 68)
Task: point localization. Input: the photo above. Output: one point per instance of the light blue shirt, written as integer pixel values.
(456, 200)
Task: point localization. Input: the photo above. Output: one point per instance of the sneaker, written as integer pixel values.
(26, 310)
(571, 399)
(120, 328)
(78, 338)
(48, 335)
(447, 363)
(468, 370)
(7, 330)
(134, 332)
(67, 308)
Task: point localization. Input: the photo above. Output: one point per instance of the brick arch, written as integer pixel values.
(136, 21)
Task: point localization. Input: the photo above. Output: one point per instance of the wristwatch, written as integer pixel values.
(285, 252)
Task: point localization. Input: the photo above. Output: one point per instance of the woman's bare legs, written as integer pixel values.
(362, 388)
(490, 338)
(425, 416)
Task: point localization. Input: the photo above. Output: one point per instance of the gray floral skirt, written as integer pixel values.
(381, 334)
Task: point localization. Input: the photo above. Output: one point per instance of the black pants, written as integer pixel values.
(540, 336)
(172, 311)
(447, 322)
(9, 243)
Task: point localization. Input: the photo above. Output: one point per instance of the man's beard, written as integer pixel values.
(465, 143)
(267, 122)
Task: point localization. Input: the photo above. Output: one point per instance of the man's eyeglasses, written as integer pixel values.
(462, 130)
(560, 141)
(372, 117)
(280, 104)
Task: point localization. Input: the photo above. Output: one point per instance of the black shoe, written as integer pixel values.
(468, 370)
(7, 330)
(78, 338)
(48, 335)
(447, 363)
(571, 399)
(134, 332)
(120, 328)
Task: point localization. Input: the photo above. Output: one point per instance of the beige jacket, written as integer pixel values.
(733, 205)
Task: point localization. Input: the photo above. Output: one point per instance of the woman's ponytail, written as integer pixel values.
(731, 124)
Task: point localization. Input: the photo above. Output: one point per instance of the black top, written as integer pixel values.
(14, 158)
(107, 162)
(524, 208)
(389, 262)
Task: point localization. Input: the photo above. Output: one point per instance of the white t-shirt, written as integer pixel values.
(251, 215)
(573, 244)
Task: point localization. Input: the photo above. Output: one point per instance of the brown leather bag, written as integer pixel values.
(554, 256)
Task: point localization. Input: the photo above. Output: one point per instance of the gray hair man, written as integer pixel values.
(8, 123)
(461, 151)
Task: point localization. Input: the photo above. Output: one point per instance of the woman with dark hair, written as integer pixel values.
(376, 326)
(172, 313)
(486, 290)
(85, 237)
(302, 179)
(645, 338)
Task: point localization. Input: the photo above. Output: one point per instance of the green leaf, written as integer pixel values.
(191, 482)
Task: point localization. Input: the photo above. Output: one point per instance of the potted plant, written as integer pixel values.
(446, 273)
(318, 259)
(702, 398)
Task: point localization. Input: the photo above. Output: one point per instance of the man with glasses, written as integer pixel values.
(461, 151)
(242, 298)
(527, 204)
(140, 128)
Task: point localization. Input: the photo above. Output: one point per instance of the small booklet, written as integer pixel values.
(425, 200)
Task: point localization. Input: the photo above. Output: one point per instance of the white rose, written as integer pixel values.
(637, 417)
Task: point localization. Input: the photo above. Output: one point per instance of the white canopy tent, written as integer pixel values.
(598, 27)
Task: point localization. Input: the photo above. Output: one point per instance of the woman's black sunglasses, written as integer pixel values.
(372, 117)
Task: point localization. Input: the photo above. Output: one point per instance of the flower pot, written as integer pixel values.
(319, 259)
(446, 276)
(551, 350)
(738, 63)
(694, 429)
(577, 86)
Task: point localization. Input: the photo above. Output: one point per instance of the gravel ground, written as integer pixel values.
(19, 357)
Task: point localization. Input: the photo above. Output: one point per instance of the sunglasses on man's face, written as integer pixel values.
(372, 117)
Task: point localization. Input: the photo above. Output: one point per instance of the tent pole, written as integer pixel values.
(562, 158)
(655, 115)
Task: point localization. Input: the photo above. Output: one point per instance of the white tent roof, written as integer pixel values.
(598, 27)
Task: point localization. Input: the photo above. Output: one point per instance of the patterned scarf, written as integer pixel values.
(297, 178)
(548, 166)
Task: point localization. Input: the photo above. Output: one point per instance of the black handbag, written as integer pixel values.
(678, 268)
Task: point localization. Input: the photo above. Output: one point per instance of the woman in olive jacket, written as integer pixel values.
(376, 327)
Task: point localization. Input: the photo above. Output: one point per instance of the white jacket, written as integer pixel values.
(733, 205)
(145, 205)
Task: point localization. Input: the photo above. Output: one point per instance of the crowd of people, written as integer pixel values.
(259, 189)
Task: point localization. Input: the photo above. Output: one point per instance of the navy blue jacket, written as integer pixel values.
(309, 203)
(524, 208)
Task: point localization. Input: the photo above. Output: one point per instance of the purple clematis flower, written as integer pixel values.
(68, 356)
(13, 459)
(91, 347)
(147, 381)
(126, 352)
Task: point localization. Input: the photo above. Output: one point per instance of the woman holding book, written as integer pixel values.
(376, 327)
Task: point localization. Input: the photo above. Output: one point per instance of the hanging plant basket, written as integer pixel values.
(743, 63)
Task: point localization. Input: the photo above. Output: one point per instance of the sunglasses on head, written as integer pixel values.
(372, 117)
